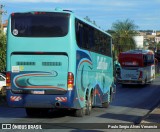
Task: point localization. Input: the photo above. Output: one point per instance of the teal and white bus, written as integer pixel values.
(55, 60)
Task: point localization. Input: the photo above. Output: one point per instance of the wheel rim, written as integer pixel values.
(88, 106)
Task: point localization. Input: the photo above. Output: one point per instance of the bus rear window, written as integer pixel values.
(39, 24)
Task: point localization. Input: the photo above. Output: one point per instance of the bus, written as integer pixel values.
(137, 67)
(56, 60)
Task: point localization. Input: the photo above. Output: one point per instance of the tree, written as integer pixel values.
(89, 20)
(2, 51)
(123, 32)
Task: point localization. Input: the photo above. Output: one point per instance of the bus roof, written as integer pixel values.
(138, 51)
(70, 12)
(82, 19)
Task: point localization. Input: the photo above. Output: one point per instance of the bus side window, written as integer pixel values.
(77, 32)
(150, 59)
(86, 37)
(81, 35)
(91, 37)
(108, 46)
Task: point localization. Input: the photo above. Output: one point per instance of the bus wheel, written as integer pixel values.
(80, 112)
(105, 104)
(145, 82)
(89, 105)
(111, 97)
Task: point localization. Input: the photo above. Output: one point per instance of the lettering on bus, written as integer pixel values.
(134, 63)
(101, 63)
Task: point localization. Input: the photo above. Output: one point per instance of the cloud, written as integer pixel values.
(33, 1)
(90, 2)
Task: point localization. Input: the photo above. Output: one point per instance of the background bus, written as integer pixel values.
(57, 60)
(137, 67)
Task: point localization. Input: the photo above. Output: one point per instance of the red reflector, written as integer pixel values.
(36, 13)
(8, 79)
(70, 80)
(12, 14)
(140, 74)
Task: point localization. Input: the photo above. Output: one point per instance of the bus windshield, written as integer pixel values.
(39, 24)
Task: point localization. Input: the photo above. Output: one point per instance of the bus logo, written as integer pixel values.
(15, 32)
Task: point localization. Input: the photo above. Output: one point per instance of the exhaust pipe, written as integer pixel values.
(57, 104)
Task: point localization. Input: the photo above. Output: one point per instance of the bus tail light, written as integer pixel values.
(8, 79)
(140, 75)
(70, 81)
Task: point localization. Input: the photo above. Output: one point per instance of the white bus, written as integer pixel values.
(137, 67)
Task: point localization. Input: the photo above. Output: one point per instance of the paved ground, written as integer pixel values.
(153, 117)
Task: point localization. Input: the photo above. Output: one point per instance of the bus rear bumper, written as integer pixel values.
(131, 81)
(38, 101)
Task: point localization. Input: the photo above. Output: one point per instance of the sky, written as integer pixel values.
(144, 13)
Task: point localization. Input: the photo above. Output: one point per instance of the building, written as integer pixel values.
(5, 26)
(157, 39)
(154, 33)
(139, 40)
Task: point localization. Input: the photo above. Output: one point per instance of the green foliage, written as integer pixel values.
(89, 20)
(158, 44)
(123, 32)
(2, 51)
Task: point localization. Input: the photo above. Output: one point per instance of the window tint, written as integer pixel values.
(90, 38)
(39, 24)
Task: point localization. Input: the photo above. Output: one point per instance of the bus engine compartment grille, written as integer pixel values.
(26, 63)
(51, 63)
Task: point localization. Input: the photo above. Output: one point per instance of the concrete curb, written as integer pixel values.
(153, 116)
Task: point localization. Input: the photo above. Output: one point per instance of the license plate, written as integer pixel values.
(37, 92)
(129, 75)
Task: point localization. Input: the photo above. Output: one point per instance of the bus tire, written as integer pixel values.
(105, 104)
(111, 97)
(88, 105)
(145, 82)
(80, 112)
